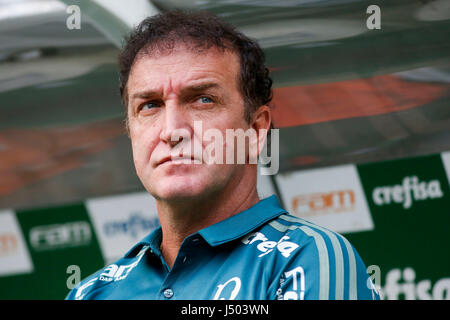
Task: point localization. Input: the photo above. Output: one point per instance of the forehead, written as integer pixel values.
(181, 66)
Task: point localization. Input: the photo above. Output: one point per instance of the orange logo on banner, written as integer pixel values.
(324, 202)
(8, 243)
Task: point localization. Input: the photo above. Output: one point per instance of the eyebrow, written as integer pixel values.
(201, 87)
(193, 88)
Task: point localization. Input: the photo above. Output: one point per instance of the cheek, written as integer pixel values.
(143, 143)
(137, 156)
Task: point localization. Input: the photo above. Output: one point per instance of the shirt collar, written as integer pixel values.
(153, 240)
(243, 222)
(226, 230)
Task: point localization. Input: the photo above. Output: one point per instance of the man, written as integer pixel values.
(217, 239)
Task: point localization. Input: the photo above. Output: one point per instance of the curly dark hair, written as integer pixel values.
(199, 31)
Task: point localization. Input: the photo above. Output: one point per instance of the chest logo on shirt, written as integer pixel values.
(114, 272)
(234, 283)
(111, 273)
(266, 246)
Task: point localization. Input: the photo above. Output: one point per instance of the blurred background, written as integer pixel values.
(361, 99)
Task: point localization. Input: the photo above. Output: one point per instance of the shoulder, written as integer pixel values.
(307, 234)
(326, 257)
(105, 279)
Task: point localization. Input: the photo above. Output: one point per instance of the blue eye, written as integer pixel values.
(149, 105)
(205, 100)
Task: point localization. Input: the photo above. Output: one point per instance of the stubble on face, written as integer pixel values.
(178, 82)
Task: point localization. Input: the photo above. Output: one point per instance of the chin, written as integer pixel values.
(186, 183)
(181, 189)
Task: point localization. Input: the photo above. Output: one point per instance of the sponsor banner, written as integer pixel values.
(330, 197)
(409, 200)
(404, 284)
(121, 221)
(406, 185)
(14, 256)
(58, 239)
(446, 161)
(60, 235)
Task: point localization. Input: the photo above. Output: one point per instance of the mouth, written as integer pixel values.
(177, 160)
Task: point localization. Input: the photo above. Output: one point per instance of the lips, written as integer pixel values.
(175, 159)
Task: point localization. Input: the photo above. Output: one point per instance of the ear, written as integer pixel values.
(262, 118)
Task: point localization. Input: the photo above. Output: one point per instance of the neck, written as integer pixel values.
(180, 219)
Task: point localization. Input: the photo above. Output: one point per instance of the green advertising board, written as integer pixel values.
(397, 216)
(57, 238)
(410, 206)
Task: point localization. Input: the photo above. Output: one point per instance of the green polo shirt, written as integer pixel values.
(261, 253)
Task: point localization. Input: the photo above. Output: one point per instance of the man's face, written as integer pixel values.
(171, 92)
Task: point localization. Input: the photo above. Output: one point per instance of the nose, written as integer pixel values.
(175, 126)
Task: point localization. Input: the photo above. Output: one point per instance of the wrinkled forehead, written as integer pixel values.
(198, 55)
(179, 42)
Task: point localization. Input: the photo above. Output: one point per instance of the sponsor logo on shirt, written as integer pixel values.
(265, 246)
(114, 272)
(292, 285)
(111, 273)
(234, 284)
(81, 293)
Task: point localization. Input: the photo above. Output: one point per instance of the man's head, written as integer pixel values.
(199, 31)
(181, 69)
